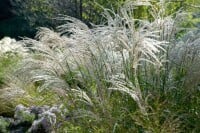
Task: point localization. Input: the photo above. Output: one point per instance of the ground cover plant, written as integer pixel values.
(125, 75)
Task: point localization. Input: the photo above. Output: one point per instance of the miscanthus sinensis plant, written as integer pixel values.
(109, 73)
(185, 57)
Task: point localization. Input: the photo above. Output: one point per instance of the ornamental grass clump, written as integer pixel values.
(113, 77)
(186, 56)
(113, 48)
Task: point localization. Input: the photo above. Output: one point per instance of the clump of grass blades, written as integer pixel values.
(89, 67)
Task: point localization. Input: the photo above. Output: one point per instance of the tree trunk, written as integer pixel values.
(81, 9)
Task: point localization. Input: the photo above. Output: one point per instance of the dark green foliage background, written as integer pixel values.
(22, 17)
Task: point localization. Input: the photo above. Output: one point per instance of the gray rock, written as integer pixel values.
(44, 124)
(23, 114)
(33, 119)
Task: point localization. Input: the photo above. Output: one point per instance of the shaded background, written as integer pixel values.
(12, 24)
(19, 18)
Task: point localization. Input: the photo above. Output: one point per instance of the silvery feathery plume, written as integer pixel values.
(52, 55)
